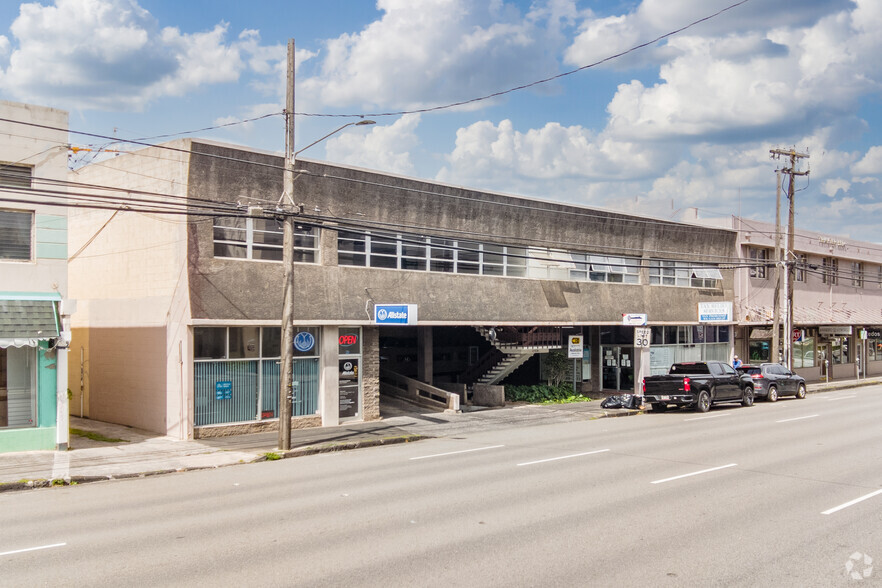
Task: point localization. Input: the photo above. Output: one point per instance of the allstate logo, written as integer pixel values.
(382, 314)
(859, 566)
(303, 341)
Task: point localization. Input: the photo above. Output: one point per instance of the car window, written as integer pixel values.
(750, 371)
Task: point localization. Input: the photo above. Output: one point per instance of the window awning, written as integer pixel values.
(27, 322)
(707, 273)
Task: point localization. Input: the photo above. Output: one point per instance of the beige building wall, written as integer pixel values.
(129, 276)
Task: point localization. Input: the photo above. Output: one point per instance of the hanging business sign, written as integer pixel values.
(633, 319)
(395, 314)
(835, 330)
(575, 347)
(715, 312)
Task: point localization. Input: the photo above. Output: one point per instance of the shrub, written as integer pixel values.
(538, 393)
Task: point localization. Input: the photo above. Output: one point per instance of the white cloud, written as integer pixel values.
(431, 52)
(871, 163)
(111, 54)
(832, 186)
(385, 148)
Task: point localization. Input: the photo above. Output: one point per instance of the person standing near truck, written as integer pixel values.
(736, 363)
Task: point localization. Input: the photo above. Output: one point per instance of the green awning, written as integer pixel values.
(26, 322)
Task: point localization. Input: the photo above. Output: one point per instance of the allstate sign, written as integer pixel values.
(395, 314)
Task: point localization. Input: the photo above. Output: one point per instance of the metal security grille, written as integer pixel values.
(225, 392)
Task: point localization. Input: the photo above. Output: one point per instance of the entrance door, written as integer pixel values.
(617, 367)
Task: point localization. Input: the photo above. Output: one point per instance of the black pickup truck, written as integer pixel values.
(699, 385)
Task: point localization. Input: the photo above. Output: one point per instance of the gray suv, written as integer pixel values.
(771, 380)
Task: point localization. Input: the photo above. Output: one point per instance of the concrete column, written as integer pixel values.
(596, 369)
(62, 419)
(641, 370)
(425, 369)
(329, 385)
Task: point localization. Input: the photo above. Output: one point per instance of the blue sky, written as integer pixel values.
(685, 123)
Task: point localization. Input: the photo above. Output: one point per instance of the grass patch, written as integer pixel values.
(96, 436)
(272, 456)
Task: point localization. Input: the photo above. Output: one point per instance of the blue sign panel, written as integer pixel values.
(395, 314)
(223, 391)
(304, 341)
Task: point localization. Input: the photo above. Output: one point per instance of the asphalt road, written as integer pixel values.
(761, 496)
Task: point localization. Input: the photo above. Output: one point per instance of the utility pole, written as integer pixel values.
(790, 255)
(286, 369)
(776, 330)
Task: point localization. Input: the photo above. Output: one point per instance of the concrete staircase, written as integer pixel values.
(514, 355)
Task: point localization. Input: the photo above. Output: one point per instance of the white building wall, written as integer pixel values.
(129, 274)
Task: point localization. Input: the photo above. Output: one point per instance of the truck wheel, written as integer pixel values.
(800, 392)
(773, 394)
(704, 402)
(659, 407)
(747, 397)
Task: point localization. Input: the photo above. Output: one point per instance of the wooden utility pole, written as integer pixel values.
(288, 209)
(790, 256)
(776, 330)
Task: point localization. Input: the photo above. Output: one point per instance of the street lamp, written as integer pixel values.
(287, 352)
(334, 132)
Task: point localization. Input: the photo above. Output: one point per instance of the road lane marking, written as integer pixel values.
(852, 502)
(457, 452)
(731, 465)
(32, 549)
(712, 416)
(811, 416)
(563, 457)
(840, 398)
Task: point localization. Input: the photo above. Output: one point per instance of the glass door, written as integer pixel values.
(617, 367)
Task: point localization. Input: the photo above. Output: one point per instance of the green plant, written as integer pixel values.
(272, 456)
(557, 367)
(96, 436)
(541, 393)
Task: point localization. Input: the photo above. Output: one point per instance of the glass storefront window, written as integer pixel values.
(349, 341)
(244, 342)
(839, 350)
(804, 353)
(760, 351)
(17, 390)
(306, 341)
(209, 342)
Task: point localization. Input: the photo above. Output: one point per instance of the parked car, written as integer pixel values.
(697, 384)
(773, 380)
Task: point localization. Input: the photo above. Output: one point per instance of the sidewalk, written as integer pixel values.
(123, 452)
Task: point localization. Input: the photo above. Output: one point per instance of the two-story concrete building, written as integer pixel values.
(33, 278)
(837, 301)
(400, 284)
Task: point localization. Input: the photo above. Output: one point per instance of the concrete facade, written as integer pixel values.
(832, 304)
(156, 282)
(36, 145)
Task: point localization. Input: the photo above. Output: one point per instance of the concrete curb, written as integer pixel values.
(299, 452)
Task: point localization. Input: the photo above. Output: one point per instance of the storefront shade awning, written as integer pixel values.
(27, 322)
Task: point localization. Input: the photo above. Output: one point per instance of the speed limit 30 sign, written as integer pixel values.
(641, 336)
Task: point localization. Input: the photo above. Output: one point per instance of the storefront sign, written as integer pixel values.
(304, 341)
(634, 319)
(874, 334)
(395, 314)
(223, 391)
(715, 312)
(348, 388)
(574, 349)
(835, 330)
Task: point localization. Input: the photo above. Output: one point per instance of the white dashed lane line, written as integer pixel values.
(852, 502)
(802, 418)
(456, 452)
(710, 416)
(731, 465)
(562, 457)
(32, 549)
